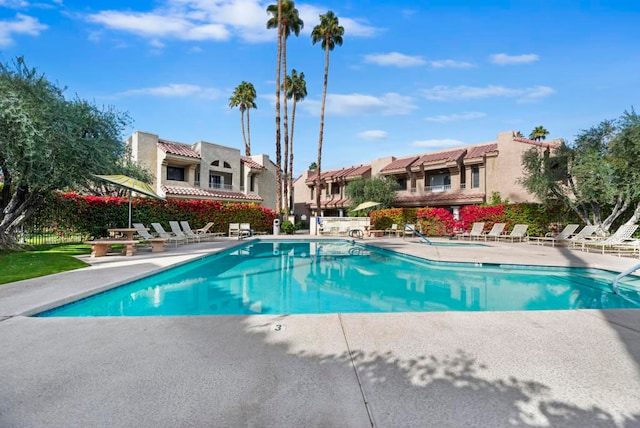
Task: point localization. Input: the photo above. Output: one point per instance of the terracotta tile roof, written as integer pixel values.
(190, 191)
(335, 174)
(177, 149)
(479, 151)
(400, 164)
(448, 156)
(434, 197)
(251, 163)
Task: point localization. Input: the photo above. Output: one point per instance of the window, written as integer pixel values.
(215, 163)
(226, 165)
(475, 177)
(440, 183)
(175, 173)
(252, 183)
(402, 183)
(335, 189)
(216, 181)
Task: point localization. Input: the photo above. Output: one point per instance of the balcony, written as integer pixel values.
(218, 186)
(438, 189)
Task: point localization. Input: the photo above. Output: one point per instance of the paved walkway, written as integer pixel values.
(538, 368)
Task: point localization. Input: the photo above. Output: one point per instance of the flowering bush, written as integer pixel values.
(95, 214)
(488, 214)
(435, 221)
(383, 219)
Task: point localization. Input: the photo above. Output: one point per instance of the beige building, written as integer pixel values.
(205, 170)
(450, 178)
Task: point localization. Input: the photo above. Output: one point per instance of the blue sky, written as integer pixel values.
(411, 77)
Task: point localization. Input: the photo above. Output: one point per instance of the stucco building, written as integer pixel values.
(449, 178)
(204, 170)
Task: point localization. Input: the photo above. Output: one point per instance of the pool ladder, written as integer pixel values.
(420, 235)
(622, 275)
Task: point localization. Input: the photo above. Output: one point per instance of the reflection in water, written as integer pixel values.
(339, 276)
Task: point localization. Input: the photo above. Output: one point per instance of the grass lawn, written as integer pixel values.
(41, 261)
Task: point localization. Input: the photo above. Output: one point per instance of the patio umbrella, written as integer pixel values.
(133, 185)
(365, 205)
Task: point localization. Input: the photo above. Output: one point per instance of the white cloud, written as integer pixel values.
(389, 104)
(455, 117)
(206, 20)
(155, 26)
(174, 90)
(23, 24)
(394, 59)
(14, 4)
(373, 134)
(438, 144)
(450, 63)
(353, 27)
(451, 93)
(504, 59)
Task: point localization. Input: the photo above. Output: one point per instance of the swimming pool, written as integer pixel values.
(310, 277)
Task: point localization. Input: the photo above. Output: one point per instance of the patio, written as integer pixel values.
(538, 368)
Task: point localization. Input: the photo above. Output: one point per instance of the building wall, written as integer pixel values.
(210, 152)
(144, 151)
(265, 181)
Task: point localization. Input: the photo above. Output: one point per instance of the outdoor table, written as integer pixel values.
(126, 231)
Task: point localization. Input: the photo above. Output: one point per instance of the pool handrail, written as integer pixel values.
(420, 235)
(622, 275)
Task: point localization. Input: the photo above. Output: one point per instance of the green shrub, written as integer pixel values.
(287, 227)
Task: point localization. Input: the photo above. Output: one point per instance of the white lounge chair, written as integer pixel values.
(234, 229)
(245, 230)
(166, 235)
(586, 233)
(495, 231)
(474, 233)
(177, 231)
(393, 230)
(563, 236)
(519, 233)
(623, 234)
(186, 228)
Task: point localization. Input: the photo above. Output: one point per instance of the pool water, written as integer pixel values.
(303, 277)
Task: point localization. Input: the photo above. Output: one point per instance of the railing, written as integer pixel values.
(622, 275)
(463, 186)
(437, 189)
(219, 186)
(413, 190)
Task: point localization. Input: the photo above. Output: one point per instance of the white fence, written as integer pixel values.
(337, 226)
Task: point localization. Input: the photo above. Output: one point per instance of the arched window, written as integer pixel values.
(226, 165)
(215, 163)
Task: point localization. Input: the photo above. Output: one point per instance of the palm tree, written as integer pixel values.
(538, 133)
(329, 33)
(296, 89)
(286, 19)
(244, 97)
(519, 134)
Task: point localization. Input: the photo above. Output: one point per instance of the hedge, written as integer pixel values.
(93, 215)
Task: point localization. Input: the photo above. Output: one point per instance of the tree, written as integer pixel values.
(286, 19)
(296, 89)
(596, 176)
(244, 97)
(378, 189)
(519, 134)
(329, 33)
(313, 166)
(539, 133)
(49, 143)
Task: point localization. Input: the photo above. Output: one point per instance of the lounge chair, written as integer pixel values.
(474, 233)
(408, 229)
(245, 230)
(143, 232)
(166, 235)
(495, 231)
(393, 230)
(177, 231)
(186, 228)
(586, 233)
(561, 237)
(519, 233)
(234, 229)
(623, 234)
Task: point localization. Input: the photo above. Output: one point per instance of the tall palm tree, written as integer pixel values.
(296, 89)
(539, 133)
(329, 33)
(244, 97)
(286, 19)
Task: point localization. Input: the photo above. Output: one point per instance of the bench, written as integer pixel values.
(101, 247)
(157, 244)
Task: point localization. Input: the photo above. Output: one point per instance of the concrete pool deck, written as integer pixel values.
(576, 368)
